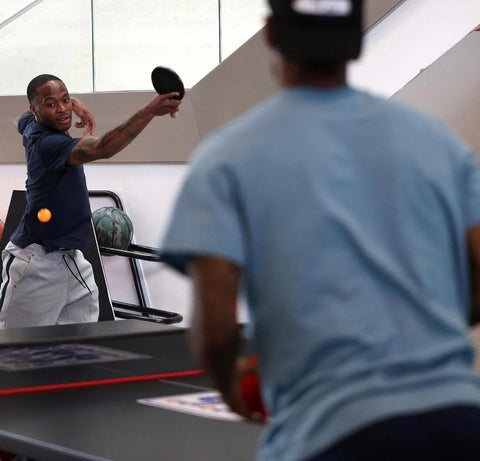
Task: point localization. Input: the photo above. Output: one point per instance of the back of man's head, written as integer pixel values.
(316, 31)
(38, 81)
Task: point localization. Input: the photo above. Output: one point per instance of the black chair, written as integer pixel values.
(109, 310)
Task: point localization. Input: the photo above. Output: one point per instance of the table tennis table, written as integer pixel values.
(90, 411)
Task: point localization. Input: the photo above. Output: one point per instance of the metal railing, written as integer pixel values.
(134, 252)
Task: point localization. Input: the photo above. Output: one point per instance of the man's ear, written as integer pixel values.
(34, 112)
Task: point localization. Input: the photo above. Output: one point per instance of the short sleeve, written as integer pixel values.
(55, 149)
(206, 218)
(471, 184)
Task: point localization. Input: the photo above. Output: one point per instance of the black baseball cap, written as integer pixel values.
(317, 30)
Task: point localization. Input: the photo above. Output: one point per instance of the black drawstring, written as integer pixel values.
(80, 280)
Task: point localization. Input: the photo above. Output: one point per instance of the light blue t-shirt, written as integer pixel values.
(348, 216)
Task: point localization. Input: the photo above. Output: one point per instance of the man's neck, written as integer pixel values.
(316, 76)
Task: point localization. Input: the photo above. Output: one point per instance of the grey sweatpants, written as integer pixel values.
(40, 288)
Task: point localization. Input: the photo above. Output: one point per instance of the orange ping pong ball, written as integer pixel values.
(44, 215)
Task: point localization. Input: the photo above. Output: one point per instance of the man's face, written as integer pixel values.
(52, 106)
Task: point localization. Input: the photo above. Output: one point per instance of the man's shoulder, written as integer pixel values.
(48, 146)
(413, 126)
(414, 114)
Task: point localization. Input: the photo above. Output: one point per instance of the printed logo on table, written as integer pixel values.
(207, 404)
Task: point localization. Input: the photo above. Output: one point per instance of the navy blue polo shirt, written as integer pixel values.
(54, 185)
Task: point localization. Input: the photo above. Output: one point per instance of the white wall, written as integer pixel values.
(417, 33)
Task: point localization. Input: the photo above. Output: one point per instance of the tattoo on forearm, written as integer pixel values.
(126, 130)
(114, 141)
(134, 118)
(132, 134)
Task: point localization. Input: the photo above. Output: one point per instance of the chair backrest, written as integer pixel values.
(92, 253)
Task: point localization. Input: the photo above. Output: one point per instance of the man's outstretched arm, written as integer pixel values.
(90, 148)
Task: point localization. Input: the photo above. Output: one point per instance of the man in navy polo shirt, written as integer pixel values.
(45, 278)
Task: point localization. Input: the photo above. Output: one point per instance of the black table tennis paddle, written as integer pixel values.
(166, 80)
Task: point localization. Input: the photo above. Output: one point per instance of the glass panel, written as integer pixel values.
(53, 37)
(241, 19)
(132, 38)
